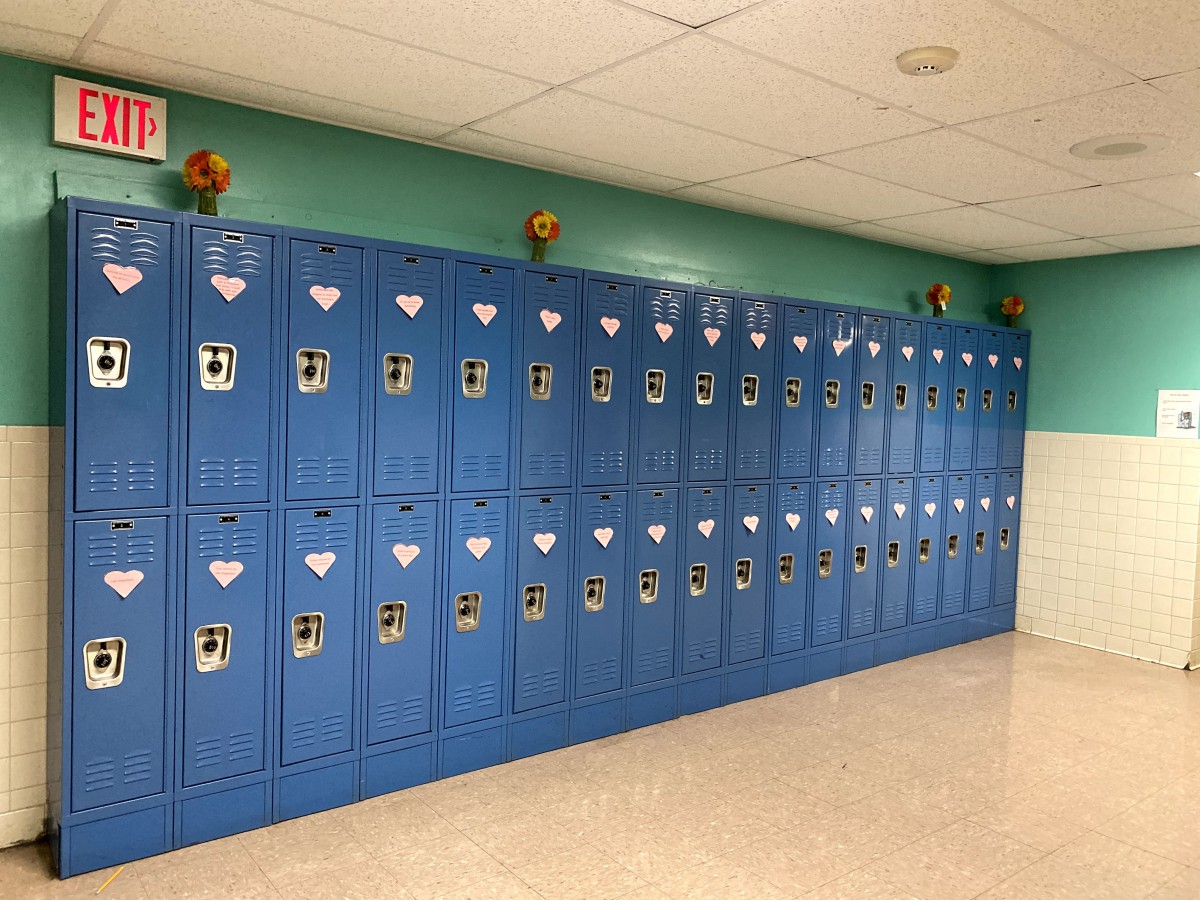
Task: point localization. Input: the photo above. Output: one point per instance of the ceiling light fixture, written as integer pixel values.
(1120, 146)
(927, 60)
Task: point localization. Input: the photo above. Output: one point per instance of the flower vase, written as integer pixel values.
(208, 202)
(539, 250)
(938, 311)
(1012, 321)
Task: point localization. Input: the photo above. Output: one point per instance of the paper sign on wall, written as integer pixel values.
(1178, 415)
(108, 120)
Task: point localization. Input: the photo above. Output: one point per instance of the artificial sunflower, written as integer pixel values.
(938, 296)
(207, 174)
(1012, 306)
(542, 228)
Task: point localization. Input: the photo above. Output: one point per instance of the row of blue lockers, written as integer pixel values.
(395, 370)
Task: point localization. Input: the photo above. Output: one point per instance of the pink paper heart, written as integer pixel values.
(405, 553)
(959, 503)
(410, 303)
(325, 296)
(712, 335)
(908, 352)
(705, 527)
(320, 562)
(801, 341)
(228, 287)
(968, 358)
(479, 546)
(867, 512)
(549, 319)
(544, 541)
(985, 502)
(838, 346)
(656, 533)
(930, 509)
(832, 516)
(484, 312)
(664, 331)
(873, 346)
(610, 325)
(751, 523)
(792, 519)
(124, 582)
(122, 277)
(937, 354)
(225, 572)
(900, 509)
(1011, 501)
(758, 338)
(1017, 361)
(603, 536)
(993, 359)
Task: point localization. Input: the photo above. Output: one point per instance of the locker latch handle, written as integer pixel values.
(931, 393)
(749, 390)
(108, 362)
(860, 558)
(980, 541)
(593, 594)
(831, 394)
(952, 547)
(217, 365)
(868, 395)
(824, 563)
(397, 374)
(923, 550)
(648, 585)
(533, 602)
(987, 400)
(741, 573)
(960, 399)
(601, 383)
(212, 643)
(540, 375)
(391, 619)
(467, 608)
(893, 554)
(656, 382)
(787, 568)
(901, 396)
(474, 378)
(1004, 538)
(1012, 401)
(791, 392)
(104, 663)
(308, 634)
(312, 371)
(704, 388)
(698, 579)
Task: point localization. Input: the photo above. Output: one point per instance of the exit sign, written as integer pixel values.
(109, 120)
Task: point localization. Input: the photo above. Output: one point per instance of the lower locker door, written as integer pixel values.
(793, 526)
(927, 548)
(750, 573)
(956, 539)
(983, 541)
(898, 514)
(654, 589)
(1008, 526)
(703, 579)
(543, 573)
(829, 555)
(598, 591)
(864, 557)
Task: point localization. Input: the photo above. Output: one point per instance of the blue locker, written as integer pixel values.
(749, 546)
(754, 410)
(408, 371)
(935, 400)
(320, 569)
(543, 557)
(659, 383)
(962, 409)
(655, 574)
(1008, 528)
(905, 402)
(983, 540)
(956, 541)
(789, 598)
(547, 399)
(927, 548)
(599, 593)
(832, 506)
(322, 369)
(899, 511)
(231, 342)
(837, 401)
(226, 660)
(798, 391)
(871, 428)
(608, 333)
(711, 387)
(117, 705)
(703, 579)
(1012, 414)
(125, 304)
(474, 625)
(987, 421)
(400, 620)
(865, 516)
(484, 310)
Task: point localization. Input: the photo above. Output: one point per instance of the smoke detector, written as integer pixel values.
(927, 60)
(1120, 146)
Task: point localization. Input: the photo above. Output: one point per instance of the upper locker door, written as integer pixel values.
(655, 569)
(905, 402)
(599, 593)
(836, 401)
(711, 386)
(987, 428)
(407, 372)
(547, 403)
(659, 383)
(830, 528)
(871, 428)
(955, 544)
(898, 513)
(231, 345)
(864, 558)
(608, 334)
(798, 391)
(483, 334)
(935, 400)
(704, 580)
(926, 550)
(793, 536)
(400, 617)
(983, 541)
(1012, 414)
(543, 575)
(323, 369)
(754, 408)
(125, 287)
(962, 409)
(749, 546)
(1008, 526)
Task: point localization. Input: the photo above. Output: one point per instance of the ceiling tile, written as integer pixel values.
(1179, 192)
(814, 185)
(584, 126)
(1148, 39)
(955, 165)
(1094, 212)
(713, 85)
(1156, 240)
(555, 161)
(1061, 250)
(693, 12)
(975, 227)
(990, 257)
(711, 196)
(1183, 88)
(875, 232)
(72, 17)
(1049, 132)
(36, 44)
(1006, 63)
(552, 42)
(317, 58)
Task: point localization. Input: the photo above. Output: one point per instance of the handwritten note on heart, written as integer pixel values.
(484, 312)
(930, 509)
(838, 346)
(1017, 361)
(792, 519)
(908, 352)
(937, 355)
(705, 527)
(959, 503)
(603, 536)
(1011, 501)
(664, 331)
(549, 319)
(993, 359)
(227, 287)
(410, 303)
(320, 562)
(832, 516)
(801, 342)
(968, 358)
(325, 296)
(751, 523)
(225, 572)
(873, 346)
(405, 553)
(758, 338)
(656, 533)
(610, 325)
(124, 582)
(900, 509)
(712, 335)
(867, 512)
(985, 502)
(545, 541)
(478, 546)
(122, 277)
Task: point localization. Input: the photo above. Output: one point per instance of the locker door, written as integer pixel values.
(659, 384)
(124, 307)
(231, 343)
(407, 371)
(754, 407)
(863, 562)
(983, 541)
(793, 537)
(1008, 528)
(829, 555)
(548, 369)
(926, 553)
(962, 405)
(400, 616)
(898, 513)
(703, 579)
(224, 646)
(655, 585)
(120, 657)
(798, 391)
(474, 623)
(905, 402)
(599, 593)
(1012, 415)
(608, 381)
(710, 388)
(543, 576)
(322, 370)
(956, 540)
(483, 379)
(987, 423)
(836, 399)
(751, 574)
(870, 431)
(935, 400)
(318, 632)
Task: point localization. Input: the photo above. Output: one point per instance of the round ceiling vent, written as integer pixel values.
(1120, 146)
(927, 60)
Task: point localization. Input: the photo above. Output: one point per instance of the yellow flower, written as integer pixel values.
(544, 224)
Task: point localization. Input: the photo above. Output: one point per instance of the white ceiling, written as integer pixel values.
(788, 109)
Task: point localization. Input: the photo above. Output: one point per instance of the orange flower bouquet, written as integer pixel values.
(938, 296)
(1012, 306)
(207, 174)
(542, 228)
